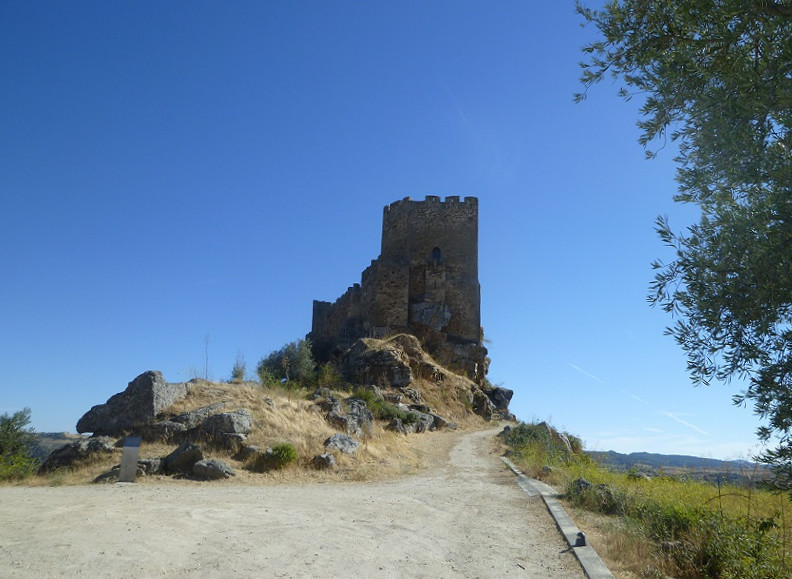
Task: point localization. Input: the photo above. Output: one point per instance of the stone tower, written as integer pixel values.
(425, 282)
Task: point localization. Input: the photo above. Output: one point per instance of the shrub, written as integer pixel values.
(283, 454)
(294, 361)
(239, 369)
(327, 376)
(382, 409)
(695, 530)
(15, 440)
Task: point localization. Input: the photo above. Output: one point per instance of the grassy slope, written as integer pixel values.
(288, 416)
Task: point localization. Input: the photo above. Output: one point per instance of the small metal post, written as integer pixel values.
(129, 459)
(581, 540)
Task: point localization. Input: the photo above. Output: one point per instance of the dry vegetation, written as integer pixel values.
(288, 416)
(663, 526)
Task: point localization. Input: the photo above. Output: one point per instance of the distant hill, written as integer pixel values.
(708, 469)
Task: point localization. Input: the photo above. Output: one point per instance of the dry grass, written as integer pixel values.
(287, 416)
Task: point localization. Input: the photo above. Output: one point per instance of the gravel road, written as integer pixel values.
(463, 517)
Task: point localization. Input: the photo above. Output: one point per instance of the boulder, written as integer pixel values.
(413, 394)
(182, 459)
(343, 443)
(324, 461)
(194, 418)
(482, 405)
(396, 425)
(212, 469)
(246, 452)
(144, 398)
(580, 485)
(439, 422)
(505, 432)
(163, 430)
(67, 454)
(424, 423)
(359, 417)
(150, 465)
(329, 404)
(236, 422)
(371, 361)
(357, 420)
(499, 396)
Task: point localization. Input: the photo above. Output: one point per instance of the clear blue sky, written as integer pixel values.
(175, 170)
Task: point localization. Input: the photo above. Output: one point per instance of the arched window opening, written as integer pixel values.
(437, 256)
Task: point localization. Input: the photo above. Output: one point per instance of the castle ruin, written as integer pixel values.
(425, 282)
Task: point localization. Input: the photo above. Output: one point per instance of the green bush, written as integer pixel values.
(327, 376)
(382, 409)
(697, 530)
(283, 453)
(16, 438)
(293, 362)
(239, 369)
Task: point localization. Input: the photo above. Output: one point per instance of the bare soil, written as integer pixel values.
(462, 516)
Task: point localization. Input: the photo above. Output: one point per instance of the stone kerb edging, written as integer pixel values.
(592, 565)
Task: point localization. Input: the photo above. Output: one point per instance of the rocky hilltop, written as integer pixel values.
(391, 388)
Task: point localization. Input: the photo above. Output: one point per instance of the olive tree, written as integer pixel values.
(715, 77)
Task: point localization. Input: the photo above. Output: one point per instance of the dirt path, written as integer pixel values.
(465, 517)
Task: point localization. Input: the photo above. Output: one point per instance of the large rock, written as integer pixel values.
(194, 418)
(130, 410)
(183, 458)
(66, 455)
(482, 405)
(499, 396)
(358, 420)
(236, 422)
(342, 443)
(377, 362)
(212, 469)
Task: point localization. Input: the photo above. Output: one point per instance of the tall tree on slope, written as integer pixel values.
(716, 76)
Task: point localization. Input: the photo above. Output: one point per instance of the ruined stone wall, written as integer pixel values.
(425, 279)
(435, 233)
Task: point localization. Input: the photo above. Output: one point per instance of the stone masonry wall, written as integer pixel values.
(425, 279)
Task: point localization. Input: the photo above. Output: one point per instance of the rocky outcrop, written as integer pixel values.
(377, 362)
(181, 460)
(236, 422)
(342, 443)
(482, 405)
(499, 396)
(144, 398)
(68, 454)
(397, 363)
(357, 420)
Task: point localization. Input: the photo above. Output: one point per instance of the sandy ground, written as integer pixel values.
(464, 517)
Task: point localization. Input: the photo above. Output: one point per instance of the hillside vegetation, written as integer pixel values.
(663, 525)
(390, 394)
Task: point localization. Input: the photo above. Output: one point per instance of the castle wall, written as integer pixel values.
(425, 277)
(412, 231)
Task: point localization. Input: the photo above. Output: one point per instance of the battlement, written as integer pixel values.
(469, 203)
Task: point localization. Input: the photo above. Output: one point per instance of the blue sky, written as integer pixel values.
(172, 171)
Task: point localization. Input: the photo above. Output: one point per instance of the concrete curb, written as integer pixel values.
(592, 565)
